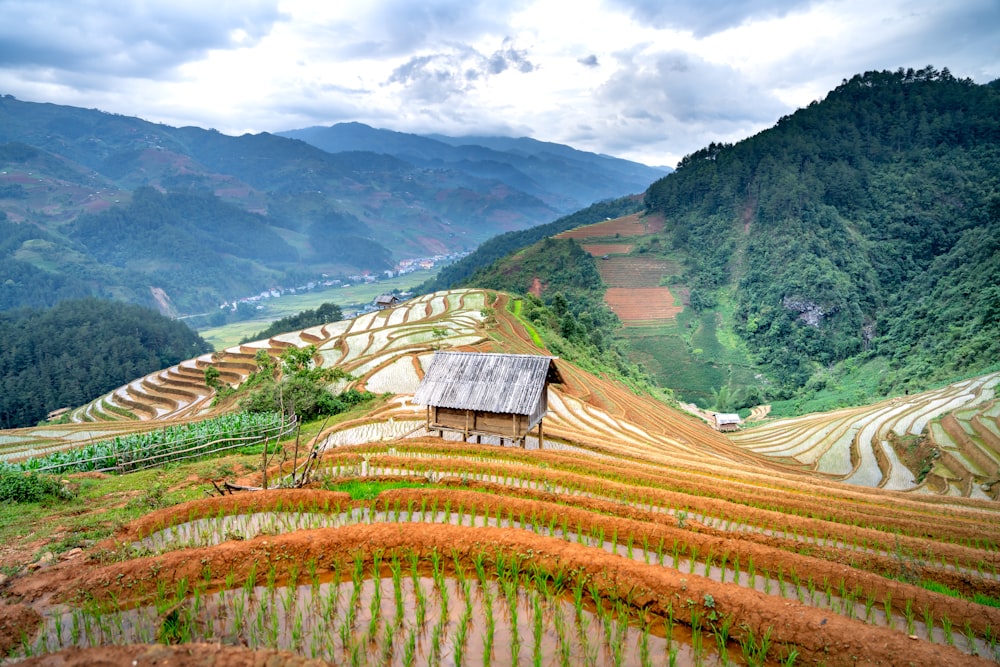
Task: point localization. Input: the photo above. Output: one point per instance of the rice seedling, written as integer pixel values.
(910, 615)
(537, 627)
(644, 658)
(791, 655)
(461, 632)
(946, 626)
(697, 641)
(970, 638)
(990, 635)
(410, 648)
(720, 631)
(754, 649)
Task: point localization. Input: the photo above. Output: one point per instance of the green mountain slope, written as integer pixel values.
(864, 225)
(850, 251)
(66, 355)
(110, 205)
(500, 246)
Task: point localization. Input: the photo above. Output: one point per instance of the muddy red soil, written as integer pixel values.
(899, 528)
(16, 621)
(156, 655)
(819, 635)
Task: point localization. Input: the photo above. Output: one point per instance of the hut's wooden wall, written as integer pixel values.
(472, 421)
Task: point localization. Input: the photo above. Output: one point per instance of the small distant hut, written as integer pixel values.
(480, 393)
(384, 301)
(727, 421)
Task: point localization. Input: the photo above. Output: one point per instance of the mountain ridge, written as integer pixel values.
(525, 161)
(68, 172)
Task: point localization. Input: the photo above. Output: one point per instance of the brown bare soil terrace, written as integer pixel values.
(634, 291)
(635, 305)
(633, 534)
(635, 270)
(601, 249)
(636, 224)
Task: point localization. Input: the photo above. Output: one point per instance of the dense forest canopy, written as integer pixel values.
(324, 313)
(865, 224)
(66, 355)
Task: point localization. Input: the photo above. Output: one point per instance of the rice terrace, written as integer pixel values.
(632, 534)
(634, 292)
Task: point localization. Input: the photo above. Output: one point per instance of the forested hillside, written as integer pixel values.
(66, 355)
(852, 249)
(101, 204)
(866, 225)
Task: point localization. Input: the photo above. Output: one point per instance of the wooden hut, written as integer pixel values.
(384, 301)
(727, 421)
(479, 393)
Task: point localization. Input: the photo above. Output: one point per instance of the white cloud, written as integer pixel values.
(641, 79)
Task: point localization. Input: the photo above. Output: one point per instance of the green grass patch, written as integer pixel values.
(938, 587)
(689, 357)
(362, 490)
(515, 306)
(986, 600)
(96, 507)
(847, 384)
(978, 598)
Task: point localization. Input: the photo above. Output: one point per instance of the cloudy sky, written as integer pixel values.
(648, 80)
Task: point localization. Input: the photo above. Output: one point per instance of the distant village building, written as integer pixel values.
(480, 393)
(384, 301)
(727, 421)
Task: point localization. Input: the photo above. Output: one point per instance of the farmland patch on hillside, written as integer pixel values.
(630, 533)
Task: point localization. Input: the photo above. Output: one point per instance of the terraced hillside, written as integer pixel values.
(634, 292)
(633, 534)
(960, 447)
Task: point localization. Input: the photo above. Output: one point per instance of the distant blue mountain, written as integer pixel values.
(561, 176)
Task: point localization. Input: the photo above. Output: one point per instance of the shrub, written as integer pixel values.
(17, 487)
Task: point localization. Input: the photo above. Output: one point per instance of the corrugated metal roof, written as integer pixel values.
(726, 418)
(489, 382)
